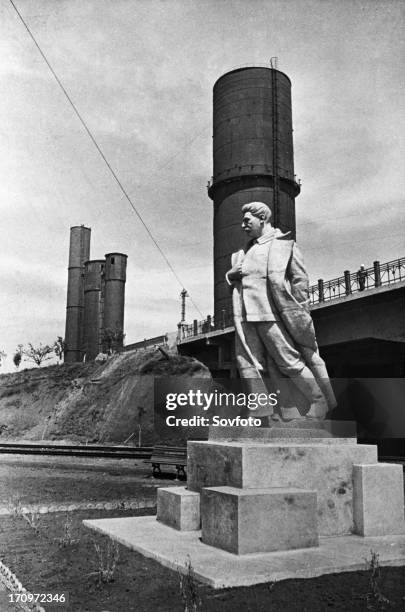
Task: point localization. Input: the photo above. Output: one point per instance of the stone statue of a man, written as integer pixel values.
(275, 335)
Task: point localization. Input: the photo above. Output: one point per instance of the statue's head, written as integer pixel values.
(256, 218)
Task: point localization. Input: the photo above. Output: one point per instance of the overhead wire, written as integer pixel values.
(187, 144)
(94, 141)
(164, 165)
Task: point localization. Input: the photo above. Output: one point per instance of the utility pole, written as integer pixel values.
(183, 296)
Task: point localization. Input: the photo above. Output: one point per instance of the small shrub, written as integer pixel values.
(17, 357)
(189, 589)
(37, 354)
(32, 519)
(16, 510)
(374, 597)
(107, 562)
(14, 506)
(67, 538)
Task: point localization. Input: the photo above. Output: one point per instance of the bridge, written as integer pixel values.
(359, 320)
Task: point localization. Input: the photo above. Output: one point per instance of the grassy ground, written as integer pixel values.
(56, 553)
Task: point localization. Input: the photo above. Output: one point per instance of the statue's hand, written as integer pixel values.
(235, 273)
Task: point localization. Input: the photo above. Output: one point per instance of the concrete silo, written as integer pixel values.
(79, 251)
(253, 160)
(114, 298)
(93, 307)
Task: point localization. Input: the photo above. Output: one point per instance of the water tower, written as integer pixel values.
(253, 160)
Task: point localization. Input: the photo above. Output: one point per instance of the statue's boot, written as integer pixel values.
(287, 415)
(317, 411)
(310, 388)
(321, 374)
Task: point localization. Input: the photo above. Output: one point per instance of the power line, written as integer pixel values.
(92, 138)
(187, 144)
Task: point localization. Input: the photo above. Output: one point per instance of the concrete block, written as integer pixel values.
(179, 508)
(324, 468)
(245, 521)
(378, 499)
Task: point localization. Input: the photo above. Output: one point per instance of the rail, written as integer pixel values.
(323, 291)
(198, 328)
(117, 452)
(353, 282)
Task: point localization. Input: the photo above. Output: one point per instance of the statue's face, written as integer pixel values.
(251, 225)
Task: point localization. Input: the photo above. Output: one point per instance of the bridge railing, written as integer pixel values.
(323, 291)
(352, 282)
(209, 324)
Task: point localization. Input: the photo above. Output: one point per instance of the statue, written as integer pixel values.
(274, 332)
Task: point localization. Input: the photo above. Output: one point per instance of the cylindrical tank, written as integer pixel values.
(93, 307)
(253, 160)
(79, 251)
(114, 299)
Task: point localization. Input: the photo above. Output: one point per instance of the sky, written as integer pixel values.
(141, 73)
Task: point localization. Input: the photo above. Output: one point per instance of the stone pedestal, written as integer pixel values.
(324, 468)
(247, 475)
(258, 520)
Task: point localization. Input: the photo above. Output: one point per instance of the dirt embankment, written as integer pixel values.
(89, 402)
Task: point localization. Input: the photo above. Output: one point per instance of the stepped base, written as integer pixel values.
(324, 468)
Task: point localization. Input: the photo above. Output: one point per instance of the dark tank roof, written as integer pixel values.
(251, 68)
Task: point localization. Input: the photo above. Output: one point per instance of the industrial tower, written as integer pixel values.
(253, 160)
(95, 300)
(79, 252)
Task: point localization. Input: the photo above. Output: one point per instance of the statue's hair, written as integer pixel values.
(258, 209)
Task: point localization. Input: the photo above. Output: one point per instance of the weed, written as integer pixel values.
(67, 537)
(16, 510)
(107, 562)
(189, 589)
(374, 598)
(32, 519)
(14, 506)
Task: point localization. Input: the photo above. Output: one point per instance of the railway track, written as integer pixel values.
(117, 452)
(97, 450)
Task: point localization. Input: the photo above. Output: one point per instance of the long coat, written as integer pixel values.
(289, 288)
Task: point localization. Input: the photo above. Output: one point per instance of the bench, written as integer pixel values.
(169, 455)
